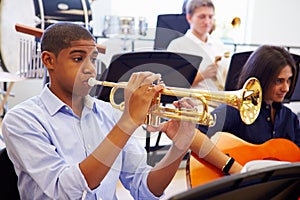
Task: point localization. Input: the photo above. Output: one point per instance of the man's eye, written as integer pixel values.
(202, 16)
(77, 59)
(94, 60)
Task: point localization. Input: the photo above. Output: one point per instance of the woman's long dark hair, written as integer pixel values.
(265, 63)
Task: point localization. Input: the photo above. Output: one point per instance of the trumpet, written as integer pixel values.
(247, 100)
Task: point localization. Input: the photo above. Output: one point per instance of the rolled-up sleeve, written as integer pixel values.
(135, 171)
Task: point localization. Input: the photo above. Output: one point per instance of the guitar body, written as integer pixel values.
(199, 171)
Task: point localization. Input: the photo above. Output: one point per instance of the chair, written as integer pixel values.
(169, 27)
(8, 178)
(237, 62)
(277, 182)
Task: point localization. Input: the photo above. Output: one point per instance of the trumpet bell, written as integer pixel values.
(250, 101)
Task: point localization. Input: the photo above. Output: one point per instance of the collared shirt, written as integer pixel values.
(46, 142)
(191, 44)
(286, 124)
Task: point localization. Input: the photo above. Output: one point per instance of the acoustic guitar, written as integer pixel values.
(200, 172)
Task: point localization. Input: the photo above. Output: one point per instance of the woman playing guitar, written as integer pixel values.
(276, 70)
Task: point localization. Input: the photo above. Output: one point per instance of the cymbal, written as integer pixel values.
(9, 77)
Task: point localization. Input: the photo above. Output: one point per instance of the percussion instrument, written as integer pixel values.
(11, 14)
(111, 26)
(143, 26)
(11, 79)
(127, 25)
(247, 100)
(37, 32)
(118, 25)
(49, 12)
(20, 52)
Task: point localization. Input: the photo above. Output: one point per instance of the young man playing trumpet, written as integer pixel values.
(65, 144)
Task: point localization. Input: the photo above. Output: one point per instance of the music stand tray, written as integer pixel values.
(277, 182)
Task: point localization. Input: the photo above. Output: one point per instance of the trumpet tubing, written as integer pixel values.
(247, 100)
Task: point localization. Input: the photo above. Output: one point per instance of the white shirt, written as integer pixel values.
(190, 44)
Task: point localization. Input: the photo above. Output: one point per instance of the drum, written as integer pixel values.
(52, 11)
(110, 26)
(118, 25)
(12, 12)
(19, 51)
(127, 25)
(143, 26)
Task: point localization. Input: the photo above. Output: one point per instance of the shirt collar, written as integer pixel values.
(53, 104)
(275, 105)
(190, 35)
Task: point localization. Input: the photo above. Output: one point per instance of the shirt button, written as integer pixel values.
(273, 132)
(268, 118)
(89, 146)
(267, 107)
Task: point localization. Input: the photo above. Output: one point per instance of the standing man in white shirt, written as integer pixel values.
(198, 41)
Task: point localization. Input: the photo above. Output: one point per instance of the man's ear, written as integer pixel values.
(188, 18)
(48, 59)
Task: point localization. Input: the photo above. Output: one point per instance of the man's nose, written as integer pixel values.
(89, 66)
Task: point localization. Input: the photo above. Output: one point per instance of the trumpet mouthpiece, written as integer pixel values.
(92, 82)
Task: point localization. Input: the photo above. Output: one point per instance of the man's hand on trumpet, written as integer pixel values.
(181, 132)
(138, 95)
(210, 71)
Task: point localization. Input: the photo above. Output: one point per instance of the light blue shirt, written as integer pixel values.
(46, 142)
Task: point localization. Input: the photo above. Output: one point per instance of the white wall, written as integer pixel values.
(274, 21)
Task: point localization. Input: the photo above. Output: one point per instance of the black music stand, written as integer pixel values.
(168, 28)
(277, 182)
(177, 70)
(237, 62)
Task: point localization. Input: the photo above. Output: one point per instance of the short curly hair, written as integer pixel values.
(59, 36)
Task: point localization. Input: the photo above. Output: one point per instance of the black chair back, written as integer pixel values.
(168, 28)
(8, 178)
